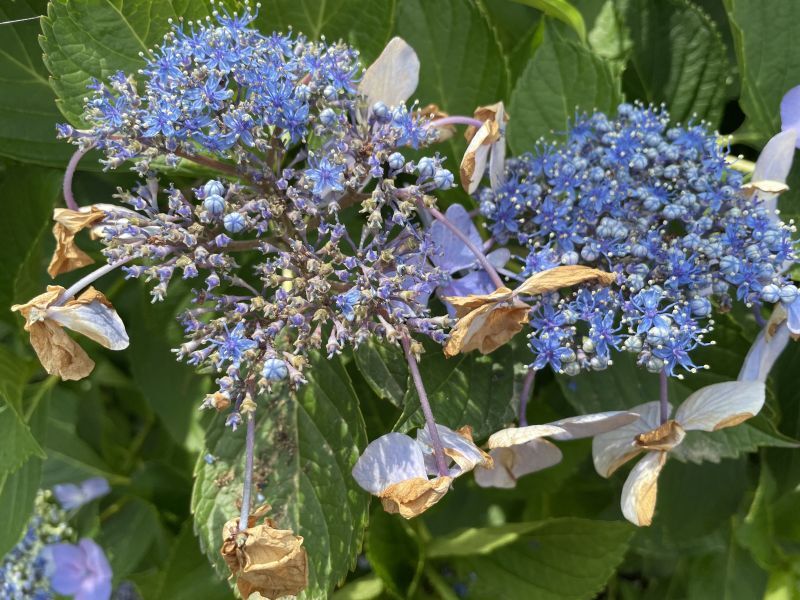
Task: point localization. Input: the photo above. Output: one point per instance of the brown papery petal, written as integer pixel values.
(264, 559)
(492, 112)
(67, 256)
(564, 276)
(664, 437)
(767, 186)
(33, 310)
(59, 354)
(487, 328)
(466, 304)
(413, 497)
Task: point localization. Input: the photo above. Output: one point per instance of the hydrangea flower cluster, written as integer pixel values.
(655, 204)
(24, 571)
(295, 139)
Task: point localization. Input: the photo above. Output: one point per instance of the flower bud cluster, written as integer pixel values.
(23, 572)
(657, 205)
(299, 154)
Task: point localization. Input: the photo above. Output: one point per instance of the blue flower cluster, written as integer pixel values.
(295, 146)
(23, 572)
(657, 205)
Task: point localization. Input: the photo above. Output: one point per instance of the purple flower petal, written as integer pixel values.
(451, 253)
(391, 458)
(763, 354)
(793, 316)
(71, 496)
(97, 586)
(790, 110)
(81, 571)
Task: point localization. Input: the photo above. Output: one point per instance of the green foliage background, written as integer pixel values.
(726, 525)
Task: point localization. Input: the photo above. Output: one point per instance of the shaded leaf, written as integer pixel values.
(384, 368)
(306, 446)
(561, 77)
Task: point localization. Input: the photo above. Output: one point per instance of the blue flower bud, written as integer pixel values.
(729, 265)
(275, 369)
(770, 293)
(381, 111)
(214, 204)
(700, 307)
(213, 187)
(426, 167)
(396, 161)
(788, 293)
(443, 179)
(327, 117)
(234, 222)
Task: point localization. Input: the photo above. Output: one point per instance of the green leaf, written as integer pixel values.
(766, 43)
(609, 36)
(69, 457)
(172, 389)
(518, 29)
(186, 574)
(563, 11)
(18, 443)
(369, 587)
(306, 446)
(468, 389)
(334, 20)
(480, 540)
(85, 39)
(462, 65)
(394, 553)
(561, 77)
(128, 535)
(18, 490)
(679, 58)
(756, 531)
(28, 114)
(558, 559)
(32, 192)
(384, 368)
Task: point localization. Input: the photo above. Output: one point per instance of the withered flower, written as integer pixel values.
(263, 558)
(90, 314)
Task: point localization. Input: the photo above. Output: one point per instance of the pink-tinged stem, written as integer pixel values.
(88, 279)
(250, 442)
(455, 120)
(664, 396)
(72, 165)
(487, 266)
(438, 449)
(524, 396)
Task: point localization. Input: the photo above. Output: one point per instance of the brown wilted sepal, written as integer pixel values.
(564, 276)
(264, 559)
(413, 497)
(67, 256)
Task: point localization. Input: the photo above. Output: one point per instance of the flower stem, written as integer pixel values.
(455, 120)
(524, 396)
(664, 396)
(438, 449)
(250, 441)
(90, 278)
(69, 173)
(487, 266)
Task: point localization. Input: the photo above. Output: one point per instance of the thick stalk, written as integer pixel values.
(479, 255)
(664, 396)
(455, 120)
(69, 173)
(250, 442)
(88, 279)
(524, 396)
(438, 449)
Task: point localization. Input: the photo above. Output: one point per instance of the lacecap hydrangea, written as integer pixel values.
(296, 140)
(656, 204)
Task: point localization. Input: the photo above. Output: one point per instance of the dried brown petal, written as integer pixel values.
(564, 276)
(466, 304)
(777, 317)
(493, 112)
(487, 328)
(34, 309)
(664, 437)
(67, 256)
(59, 354)
(264, 559)
(766, 186)
(413, 497)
